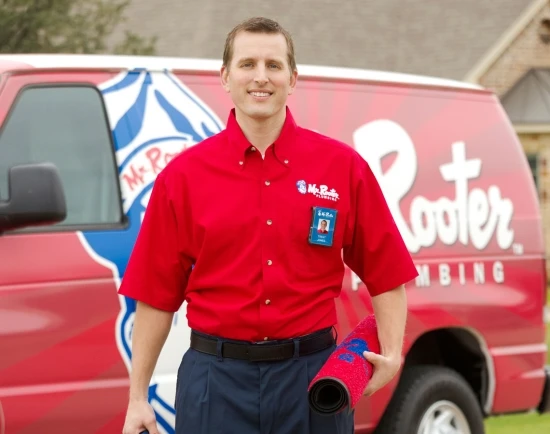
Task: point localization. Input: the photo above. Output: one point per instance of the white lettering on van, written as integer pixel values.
(355, 281)
(451, 273)
(498, 272)
(472, 216)
(423, 278)
(461, 274)
(479, 272)
(444, 274)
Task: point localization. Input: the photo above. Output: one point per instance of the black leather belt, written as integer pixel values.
(264, 351)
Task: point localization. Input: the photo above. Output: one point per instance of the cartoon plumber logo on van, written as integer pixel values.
(154, 117)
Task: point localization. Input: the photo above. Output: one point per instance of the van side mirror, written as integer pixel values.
(36, 197)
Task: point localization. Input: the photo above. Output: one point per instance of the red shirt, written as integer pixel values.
(244, 223)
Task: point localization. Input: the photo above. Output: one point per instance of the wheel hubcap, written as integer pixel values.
(444, 417)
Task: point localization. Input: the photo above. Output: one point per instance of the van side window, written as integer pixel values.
(67, 126)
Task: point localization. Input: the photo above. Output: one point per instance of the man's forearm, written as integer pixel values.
(390, 310)
(151, 328)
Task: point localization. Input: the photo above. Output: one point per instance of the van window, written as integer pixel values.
(67, 126)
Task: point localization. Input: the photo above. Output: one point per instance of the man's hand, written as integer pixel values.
(151, 327)
(385, 368)
(140, 417)
(390, 309)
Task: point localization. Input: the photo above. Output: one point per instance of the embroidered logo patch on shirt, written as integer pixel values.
(302, 186)
(322, 192)
(323, 222)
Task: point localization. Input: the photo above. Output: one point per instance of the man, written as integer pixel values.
(323, 227)
(260, 308)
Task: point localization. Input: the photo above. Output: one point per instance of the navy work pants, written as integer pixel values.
(218, 395)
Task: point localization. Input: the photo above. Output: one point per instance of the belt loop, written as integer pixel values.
(336, 334)
(219, 347)
(296, 349)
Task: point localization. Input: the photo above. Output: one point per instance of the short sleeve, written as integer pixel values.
(373, 246)
(158, 270)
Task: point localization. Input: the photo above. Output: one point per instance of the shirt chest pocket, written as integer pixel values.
(324, 219)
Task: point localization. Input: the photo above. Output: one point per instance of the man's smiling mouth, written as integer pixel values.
(260, 94)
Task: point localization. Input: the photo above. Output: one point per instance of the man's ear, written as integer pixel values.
(224, 77)
(293, 81)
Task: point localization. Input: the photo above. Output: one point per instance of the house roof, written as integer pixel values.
(528, 102)
(506, 40)
(443, 38)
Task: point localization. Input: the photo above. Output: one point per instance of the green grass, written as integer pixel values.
(532, 423)
(524, 423)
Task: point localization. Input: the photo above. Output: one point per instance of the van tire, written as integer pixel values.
(419, 388)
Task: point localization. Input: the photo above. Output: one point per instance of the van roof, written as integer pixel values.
(18, 62)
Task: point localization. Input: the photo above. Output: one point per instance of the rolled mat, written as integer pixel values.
(341, 381)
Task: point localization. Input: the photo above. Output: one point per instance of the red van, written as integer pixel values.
(82, 139)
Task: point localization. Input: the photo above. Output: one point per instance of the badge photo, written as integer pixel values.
(323, 222)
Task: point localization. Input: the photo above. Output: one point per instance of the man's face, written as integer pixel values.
(259, 77)
(323, 225)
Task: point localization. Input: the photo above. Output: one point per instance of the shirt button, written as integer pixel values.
(241, 162)
(267, 183)
(267, 301)
(286, 161)
(266, 338)
(269, 262)
(252, 148)
(269, 222)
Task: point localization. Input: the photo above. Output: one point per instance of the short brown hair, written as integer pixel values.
(259, 25)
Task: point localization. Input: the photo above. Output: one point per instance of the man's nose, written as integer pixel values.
(261, 76)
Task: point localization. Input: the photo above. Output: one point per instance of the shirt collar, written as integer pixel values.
(282, 147)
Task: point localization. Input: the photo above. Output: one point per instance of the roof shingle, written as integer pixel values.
(435, 37)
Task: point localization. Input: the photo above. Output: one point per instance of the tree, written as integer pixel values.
(66, 26)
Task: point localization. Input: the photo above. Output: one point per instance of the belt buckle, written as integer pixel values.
(256, 353)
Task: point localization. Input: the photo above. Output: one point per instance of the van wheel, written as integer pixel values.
(432, 400)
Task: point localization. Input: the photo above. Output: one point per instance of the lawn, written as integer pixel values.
(525, 423)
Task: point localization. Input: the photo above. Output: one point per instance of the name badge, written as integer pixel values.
(323, 222)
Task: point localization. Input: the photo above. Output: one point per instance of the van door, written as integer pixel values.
(60, 368)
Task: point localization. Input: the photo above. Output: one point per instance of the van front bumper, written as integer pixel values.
(544, 406)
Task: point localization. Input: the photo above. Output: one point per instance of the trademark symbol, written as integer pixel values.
(517, 249)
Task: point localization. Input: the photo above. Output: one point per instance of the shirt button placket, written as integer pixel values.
(268, 246)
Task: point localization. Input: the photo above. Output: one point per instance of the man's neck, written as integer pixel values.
(261, 133)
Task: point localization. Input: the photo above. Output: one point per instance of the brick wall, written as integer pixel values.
(526, 52)
(539, 145)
